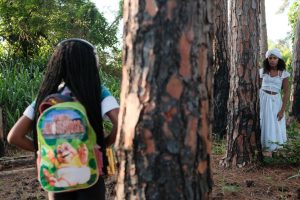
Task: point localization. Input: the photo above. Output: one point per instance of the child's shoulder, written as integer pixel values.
(285, 74)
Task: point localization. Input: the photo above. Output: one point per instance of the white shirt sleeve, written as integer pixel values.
(108, 103)
(260, 71)
(29, 111)
(285, 74)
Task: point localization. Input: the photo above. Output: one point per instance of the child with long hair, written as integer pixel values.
(274, 79)
(72, 70)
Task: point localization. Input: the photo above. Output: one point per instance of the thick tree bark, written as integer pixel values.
(221, 62)
(164, 122)
(243, 133)
(295, 103)
(263, 40)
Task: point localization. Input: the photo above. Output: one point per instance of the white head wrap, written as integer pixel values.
(274, 52)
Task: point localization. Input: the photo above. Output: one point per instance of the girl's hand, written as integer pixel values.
(113, 116)
(280, 115)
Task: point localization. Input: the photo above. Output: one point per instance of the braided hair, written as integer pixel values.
(74, 62)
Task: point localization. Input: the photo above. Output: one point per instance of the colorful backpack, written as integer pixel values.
(69, 158)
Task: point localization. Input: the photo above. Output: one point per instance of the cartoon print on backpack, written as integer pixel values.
(68, 161)
(68, 157)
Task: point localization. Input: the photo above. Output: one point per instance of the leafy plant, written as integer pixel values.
(219, 147)
(31, 28)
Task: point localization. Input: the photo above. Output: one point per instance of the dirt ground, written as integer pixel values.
(256, 182)
(19, 182)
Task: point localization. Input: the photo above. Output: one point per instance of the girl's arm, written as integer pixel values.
(285, 88)
(113, 116)
(17, 135)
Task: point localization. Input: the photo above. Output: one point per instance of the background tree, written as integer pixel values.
(30, 26)
(263, 40)
(243, 133)
(164, 139)
(221, 62)
(295, 104)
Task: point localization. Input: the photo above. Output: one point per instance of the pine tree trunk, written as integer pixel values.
(164, 128)
(221, 75)
(295, 104)
(263, 42)
(243, 133)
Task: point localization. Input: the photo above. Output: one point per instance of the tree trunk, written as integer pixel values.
(295, 103)
(164, 123)
(221, 75)
(243, 132)
(2, 148)
(263, 40)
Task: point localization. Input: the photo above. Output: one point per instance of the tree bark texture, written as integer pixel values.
(243, 132)
(164, 129)
(296, 73)
(263, 40)
(221, 66)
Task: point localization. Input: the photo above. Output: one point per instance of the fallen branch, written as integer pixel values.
(11, 162)
(5, 173)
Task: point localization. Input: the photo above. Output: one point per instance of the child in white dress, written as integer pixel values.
(274, 78)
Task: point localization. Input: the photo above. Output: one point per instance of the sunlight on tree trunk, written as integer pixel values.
(243, 133)
(263, 39)
(165, 113)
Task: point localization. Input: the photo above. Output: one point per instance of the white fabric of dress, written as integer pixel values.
(272, 130)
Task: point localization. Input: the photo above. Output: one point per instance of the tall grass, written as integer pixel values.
(18, 86)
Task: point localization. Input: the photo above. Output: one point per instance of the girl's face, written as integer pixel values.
(273, 60)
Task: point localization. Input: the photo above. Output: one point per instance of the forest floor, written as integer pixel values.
(271, 182)
(18, 181)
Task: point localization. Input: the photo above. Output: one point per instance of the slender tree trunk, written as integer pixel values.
(2, 148)
(295, 103)
(263, 40)
(243, 132)
(221, 75)
(164, 122)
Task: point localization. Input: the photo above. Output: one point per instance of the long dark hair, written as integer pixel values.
(74, 62)
(280, 65)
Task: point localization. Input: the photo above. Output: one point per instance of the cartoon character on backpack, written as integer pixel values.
(68, 162)
(68, 154)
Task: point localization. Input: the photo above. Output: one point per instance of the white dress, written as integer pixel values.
(272, 130)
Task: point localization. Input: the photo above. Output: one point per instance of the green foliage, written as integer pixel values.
(292, 17)
(219, 147)
(110, 75)
(31, 28)
(18, 86)
(121, 6)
